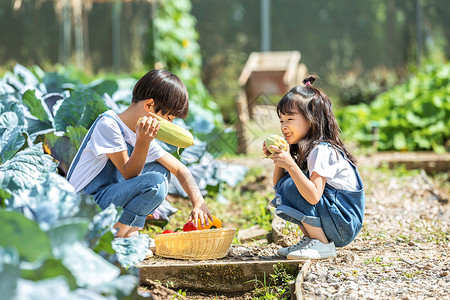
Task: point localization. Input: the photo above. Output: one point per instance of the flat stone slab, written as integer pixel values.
(215, 275)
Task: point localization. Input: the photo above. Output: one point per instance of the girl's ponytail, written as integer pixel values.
(309, 80)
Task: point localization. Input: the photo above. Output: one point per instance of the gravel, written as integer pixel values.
(402, 251)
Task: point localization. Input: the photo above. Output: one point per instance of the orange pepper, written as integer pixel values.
(215, 223)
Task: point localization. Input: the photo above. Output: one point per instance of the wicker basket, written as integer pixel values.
(196, 245)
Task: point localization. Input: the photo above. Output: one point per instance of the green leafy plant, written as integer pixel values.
(276, 286)
(54, 240)
(414, 116)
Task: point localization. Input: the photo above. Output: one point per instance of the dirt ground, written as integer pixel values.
(402, 251)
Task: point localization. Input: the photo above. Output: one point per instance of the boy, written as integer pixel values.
(120, 163)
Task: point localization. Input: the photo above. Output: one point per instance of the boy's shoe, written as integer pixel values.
(148, 254)
(152, 245)
(302, 243)
(315, 249)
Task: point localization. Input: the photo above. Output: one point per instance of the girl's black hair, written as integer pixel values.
(167, 91)
(316, 107)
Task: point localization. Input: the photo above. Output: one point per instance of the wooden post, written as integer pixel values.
(242, 123)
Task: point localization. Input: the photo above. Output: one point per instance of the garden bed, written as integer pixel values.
(237, 272)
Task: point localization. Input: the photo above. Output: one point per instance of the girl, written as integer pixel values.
(119, 162)
(316, 182)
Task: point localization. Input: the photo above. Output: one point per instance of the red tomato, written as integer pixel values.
(167, 231)
(189, 226)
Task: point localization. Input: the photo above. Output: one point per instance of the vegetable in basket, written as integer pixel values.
(216, 223)
(189, 226)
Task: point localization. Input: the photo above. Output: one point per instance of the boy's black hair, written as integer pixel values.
(167, 91)
(316, 107)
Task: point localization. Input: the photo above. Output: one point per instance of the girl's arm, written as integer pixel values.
(199, 210)
(311, 189)
(131, 166)
(278, 173)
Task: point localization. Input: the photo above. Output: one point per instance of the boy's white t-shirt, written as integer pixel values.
(107, 138)
(328, 162)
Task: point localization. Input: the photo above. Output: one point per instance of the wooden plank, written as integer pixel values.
(215, 276)
(429, 161)
(296, 286)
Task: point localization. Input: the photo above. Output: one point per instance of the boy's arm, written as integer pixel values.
(131, 166)
(199, 210)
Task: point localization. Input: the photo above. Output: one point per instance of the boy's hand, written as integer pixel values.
(146, 129)
(200, 215)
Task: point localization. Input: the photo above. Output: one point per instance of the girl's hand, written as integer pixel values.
(146, 129)
(265, 150)
(282, 159)
(200, 215)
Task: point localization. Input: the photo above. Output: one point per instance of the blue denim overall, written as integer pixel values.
(339, 212)
(138, 196)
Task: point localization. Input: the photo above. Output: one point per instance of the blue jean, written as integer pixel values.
(138, 196)
(339, 212)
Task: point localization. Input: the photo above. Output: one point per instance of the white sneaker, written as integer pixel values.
(315, 249)
(302, 243)
(148, 254)
(152, 245)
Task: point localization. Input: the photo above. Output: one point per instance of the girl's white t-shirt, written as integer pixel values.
(328, 162)
(107, 138)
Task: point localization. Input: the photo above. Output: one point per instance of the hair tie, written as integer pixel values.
(308, 83)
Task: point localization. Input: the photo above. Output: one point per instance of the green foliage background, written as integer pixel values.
(413, 116)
